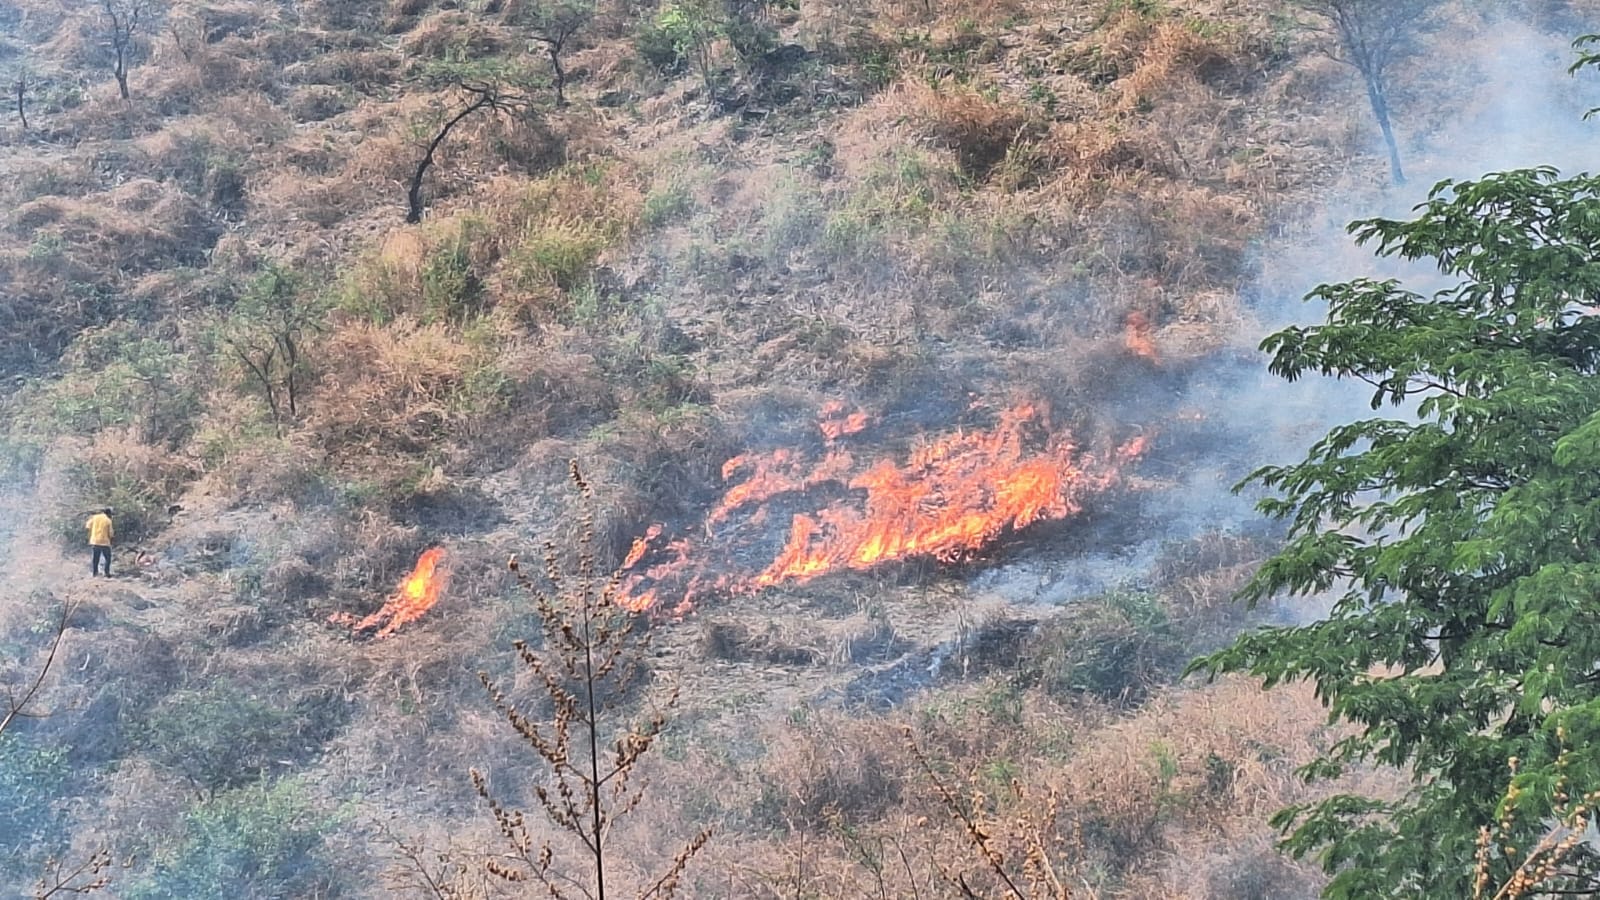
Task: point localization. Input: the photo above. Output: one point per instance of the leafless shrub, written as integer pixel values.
(594, 654)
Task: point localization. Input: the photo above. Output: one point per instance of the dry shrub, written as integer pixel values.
(944, 19)
(1192, 775)
(397, 15)
(253, 118)
(114, 469)
(136, 227)
(1093, 155)
(360, 70)
(980, 132)
(1172, 54)
(832, 769)
(317, 103)
(734, 642)
(388, 151)
(388, 388)
(210, 70)
(446, 34)
(1199, 577)
(76, 42)
(289, 197)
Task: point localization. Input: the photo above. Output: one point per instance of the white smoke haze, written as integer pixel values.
(1513, 105)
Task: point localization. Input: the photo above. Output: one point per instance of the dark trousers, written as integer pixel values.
(99, 554)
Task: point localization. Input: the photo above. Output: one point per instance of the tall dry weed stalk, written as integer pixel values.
(591, 662)
(1034, 836)
(1538, 871)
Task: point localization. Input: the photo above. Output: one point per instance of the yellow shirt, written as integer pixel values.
(100, 530)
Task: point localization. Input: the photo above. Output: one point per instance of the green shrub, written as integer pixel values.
(671, 201)
(33, 778)
(260, 841)
(138, 505)
(222, 737)
(1115, 648)
(562, 252)
(658, 47)
(119, 376)
(451, 290)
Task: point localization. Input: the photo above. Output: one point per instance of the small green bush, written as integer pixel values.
(139, 504)
(222, 737)
(451, 290)
(667, 203)
(658, 49)
(260, 841)
(562, 252)
(1116, 648)
(119, 376)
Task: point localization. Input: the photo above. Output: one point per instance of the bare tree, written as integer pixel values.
(17, 705)
(266, 335)
(555, 24)
(1370, 35)
(477, 95)
(593, 659)
(19, 90)
(122, 20)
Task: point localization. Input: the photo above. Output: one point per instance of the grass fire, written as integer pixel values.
(948, 498)
(417, 594)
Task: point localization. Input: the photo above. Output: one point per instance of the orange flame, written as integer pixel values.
(948, 500)
(416, 595)
(836, 424)
(1136, 337)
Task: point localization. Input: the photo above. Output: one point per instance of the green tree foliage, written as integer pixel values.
(1460, 542)
(689, 32)
(265, 334)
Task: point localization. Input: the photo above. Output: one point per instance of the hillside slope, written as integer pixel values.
(217, 321)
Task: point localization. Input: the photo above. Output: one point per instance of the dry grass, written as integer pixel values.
(981, 132)
(388, 388)
(1190, 777)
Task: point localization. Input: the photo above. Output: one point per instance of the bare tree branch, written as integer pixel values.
(17, 708)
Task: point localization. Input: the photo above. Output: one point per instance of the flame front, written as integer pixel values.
(949, 499)
(1136, 337)
(416, 595)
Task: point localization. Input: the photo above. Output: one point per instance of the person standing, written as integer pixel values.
(101, 533)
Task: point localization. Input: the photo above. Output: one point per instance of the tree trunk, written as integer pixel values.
(1380, 109)
(414, 195)
(22, 94)
(560, 73)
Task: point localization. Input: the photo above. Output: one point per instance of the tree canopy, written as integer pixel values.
(1459, 540)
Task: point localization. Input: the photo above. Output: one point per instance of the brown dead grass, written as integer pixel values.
(388, 388)
(981, 132)
(1194, 773)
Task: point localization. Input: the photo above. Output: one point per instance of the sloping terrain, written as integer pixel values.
(736, 235)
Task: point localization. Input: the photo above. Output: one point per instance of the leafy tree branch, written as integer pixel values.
(1462, 544)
